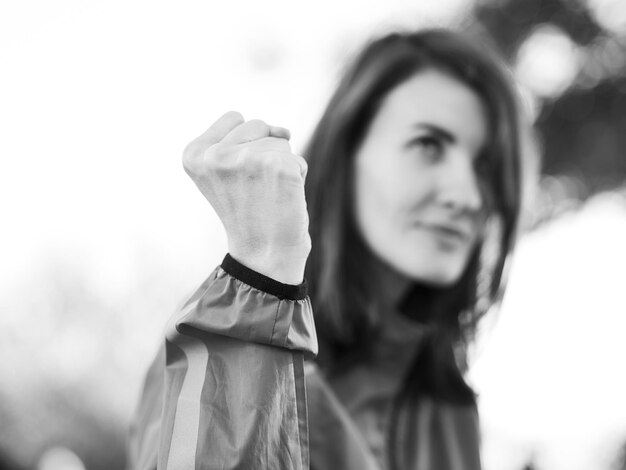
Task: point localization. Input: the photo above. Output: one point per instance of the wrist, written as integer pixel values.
(263, 283)
(283, 265)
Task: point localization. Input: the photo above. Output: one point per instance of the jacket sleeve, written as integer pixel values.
(227, 390)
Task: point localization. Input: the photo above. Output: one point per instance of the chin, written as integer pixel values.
(435, 274)
(437, 279)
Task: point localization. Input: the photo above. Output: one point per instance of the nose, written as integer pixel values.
(459, 188)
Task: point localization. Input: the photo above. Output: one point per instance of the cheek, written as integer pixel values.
(383, 216)
(378, 203)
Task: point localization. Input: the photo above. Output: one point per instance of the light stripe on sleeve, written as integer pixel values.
(184, 442)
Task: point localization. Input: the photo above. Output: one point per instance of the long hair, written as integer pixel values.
(337, 269)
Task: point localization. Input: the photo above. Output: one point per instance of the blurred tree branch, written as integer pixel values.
(584, 128)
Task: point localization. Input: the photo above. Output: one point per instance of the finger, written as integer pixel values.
(252, 130)
(269, 144)
(280, 132)
(221, 127)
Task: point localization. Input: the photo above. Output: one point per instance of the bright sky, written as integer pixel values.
(98, 99)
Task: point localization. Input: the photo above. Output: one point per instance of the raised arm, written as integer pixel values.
(227, 389)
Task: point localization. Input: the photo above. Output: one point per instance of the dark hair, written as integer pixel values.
(344, 305)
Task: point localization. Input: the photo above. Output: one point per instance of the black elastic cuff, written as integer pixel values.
(262, 282)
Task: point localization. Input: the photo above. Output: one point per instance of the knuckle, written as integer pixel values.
(216, 159)
(190, 155)
(189, 148)
(216, 152)
(220, 169)
(281, 145)
(267, 163)
(245, 155)
(223, 159)
(247, 162)
(258, 126)
(303, 162)
(289, 169)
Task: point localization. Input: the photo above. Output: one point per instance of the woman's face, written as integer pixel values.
(418, 201)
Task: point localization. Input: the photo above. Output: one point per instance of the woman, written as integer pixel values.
(413, 172)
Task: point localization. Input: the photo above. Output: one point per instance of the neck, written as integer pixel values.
(398, 293)
(391, 285)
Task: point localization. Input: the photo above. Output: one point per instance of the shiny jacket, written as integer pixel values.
(233, 387)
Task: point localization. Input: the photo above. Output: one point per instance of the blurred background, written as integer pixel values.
(103, 235)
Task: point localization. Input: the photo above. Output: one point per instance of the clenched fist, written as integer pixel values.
(248, 173)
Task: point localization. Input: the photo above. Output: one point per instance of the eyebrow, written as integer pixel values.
(435, 129)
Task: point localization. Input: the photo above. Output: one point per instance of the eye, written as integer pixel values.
(429, 146)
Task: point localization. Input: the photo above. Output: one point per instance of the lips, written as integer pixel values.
(447, 230)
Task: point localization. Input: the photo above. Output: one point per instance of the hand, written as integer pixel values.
(248, 173)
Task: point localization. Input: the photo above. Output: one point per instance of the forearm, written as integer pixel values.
(234, 385)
